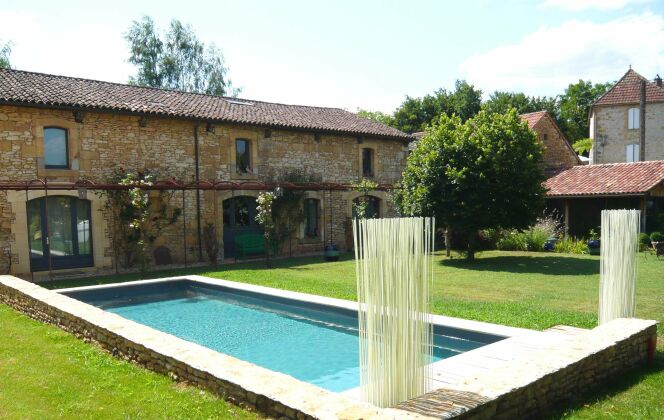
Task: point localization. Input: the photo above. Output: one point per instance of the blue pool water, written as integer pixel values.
(313, 343)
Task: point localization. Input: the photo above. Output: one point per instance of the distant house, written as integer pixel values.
(558, 153)
(615, 123)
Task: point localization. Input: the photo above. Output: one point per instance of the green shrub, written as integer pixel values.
(532, 239)
(644, 241)
(512, 241)
(572, 246)
(657, 237)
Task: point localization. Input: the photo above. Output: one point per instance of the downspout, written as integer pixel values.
(198, 191)
(642, 122)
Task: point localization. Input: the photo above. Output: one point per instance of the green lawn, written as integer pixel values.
(48, 373)
(532, 290)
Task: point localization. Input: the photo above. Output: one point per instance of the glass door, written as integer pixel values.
(70, 233)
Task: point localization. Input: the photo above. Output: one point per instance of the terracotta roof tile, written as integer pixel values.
(628, 91)
(22, 87)
(609, 179)
(533, 118)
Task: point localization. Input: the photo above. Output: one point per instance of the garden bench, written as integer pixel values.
(249, 244)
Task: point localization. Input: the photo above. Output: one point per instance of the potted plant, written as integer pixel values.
(593, 243)
(331, 252)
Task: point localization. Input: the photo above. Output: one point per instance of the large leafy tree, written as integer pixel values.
(415, 114)
(500, 102)
(5, 51)
(381, 117)
(575, 104)
(176, 60)
(484, 173)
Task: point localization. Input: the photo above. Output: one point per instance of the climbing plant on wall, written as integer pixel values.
(137, 215)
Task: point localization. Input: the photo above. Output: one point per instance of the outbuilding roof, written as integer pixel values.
(634, 178)
(46, 90)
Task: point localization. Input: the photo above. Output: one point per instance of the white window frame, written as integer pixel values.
(633, 152)
(633, 119)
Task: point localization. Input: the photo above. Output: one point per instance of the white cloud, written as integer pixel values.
(546, 61)
(577, 5)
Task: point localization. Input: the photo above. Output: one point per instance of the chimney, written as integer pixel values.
(658, 80)
(642, 121)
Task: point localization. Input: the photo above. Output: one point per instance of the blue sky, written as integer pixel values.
(357, 54)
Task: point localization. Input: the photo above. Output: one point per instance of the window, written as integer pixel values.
(370, 206)
(311, 218)
(55, 148)
(633, 118)
(633, 152)
(70, 235)
(367, 163)
(242, 156)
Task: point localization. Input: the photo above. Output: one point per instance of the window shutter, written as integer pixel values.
(633, 118)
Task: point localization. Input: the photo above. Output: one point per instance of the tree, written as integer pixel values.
(5, 51)
(583, 146)
(500, 102)
(178, 61)
(574, 107)
(484, 173)
(415, 114)
(378, 116)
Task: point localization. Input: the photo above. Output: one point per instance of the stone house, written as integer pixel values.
(64, 130)
(558, 153)
(615, 121)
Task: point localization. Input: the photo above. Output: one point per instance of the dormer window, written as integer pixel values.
(56, 155)
(633, 118)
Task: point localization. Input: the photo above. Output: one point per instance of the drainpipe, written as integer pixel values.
(642, 122)
(198, 192)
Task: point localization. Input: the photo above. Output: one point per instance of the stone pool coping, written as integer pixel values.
(512, 378)
(272, 393)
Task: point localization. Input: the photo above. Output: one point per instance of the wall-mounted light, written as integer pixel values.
(268, 133)
(209, 127)
(317, 137)
(360, 139)
(278, 191)
(143, 121)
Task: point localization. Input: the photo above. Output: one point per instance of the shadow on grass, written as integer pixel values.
(551, 265)
(645, 376)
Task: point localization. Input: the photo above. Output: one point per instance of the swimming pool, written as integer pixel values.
(310, 341)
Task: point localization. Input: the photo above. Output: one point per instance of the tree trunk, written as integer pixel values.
(448, 245)
(471, 247)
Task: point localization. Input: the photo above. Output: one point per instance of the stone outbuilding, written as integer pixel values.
(558, 153)
(582, 192)
(64, 130)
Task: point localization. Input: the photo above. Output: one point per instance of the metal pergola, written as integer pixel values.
(46, 185)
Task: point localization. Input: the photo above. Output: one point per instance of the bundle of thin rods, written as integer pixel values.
(619, 246)
(394, 276)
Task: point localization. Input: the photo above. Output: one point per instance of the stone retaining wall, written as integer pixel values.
(250, 386)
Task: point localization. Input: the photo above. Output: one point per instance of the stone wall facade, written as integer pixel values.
(611, 136)
(102, 142)
(558, 154)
